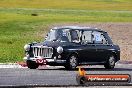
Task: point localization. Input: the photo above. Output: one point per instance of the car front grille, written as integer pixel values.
(42, 51)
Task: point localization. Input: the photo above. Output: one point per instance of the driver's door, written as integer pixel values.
(88, 52)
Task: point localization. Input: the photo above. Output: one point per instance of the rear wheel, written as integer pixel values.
(32, 64)
(110, 64)
(81, 80)
(72, 62)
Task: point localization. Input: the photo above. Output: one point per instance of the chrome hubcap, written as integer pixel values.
(112, 61)
(73, 61)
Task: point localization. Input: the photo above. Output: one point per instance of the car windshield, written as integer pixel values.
(58, 35)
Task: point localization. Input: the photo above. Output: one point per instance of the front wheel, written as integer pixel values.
(32, 64)
(81, 80)
(72, 62)
(110, 64)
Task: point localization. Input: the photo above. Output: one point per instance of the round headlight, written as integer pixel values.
(59, 49)
(27, 47)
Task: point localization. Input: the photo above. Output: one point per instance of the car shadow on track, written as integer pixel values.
(90, 69)
(103, 69)
(52, 69)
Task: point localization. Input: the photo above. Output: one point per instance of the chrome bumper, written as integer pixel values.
(48, 60)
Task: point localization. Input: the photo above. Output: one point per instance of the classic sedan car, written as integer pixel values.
(71, 46)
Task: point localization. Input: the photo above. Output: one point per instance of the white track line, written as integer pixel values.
(11, 66)
(15, 65)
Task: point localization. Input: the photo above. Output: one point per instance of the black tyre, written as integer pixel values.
(32, 64)
(81, 80)
(110, 64)
(72, 63)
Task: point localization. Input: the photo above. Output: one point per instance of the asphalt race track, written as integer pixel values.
(53, 75)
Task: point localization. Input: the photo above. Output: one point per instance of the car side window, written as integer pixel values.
(87, 37)
(75, 36)
(99, 38)
(104, 40)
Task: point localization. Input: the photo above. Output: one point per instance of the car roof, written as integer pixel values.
(79, 28)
